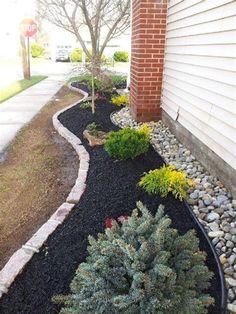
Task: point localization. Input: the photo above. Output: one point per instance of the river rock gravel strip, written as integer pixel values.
(210, 200)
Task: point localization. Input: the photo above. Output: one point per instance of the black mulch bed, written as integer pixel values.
(111, 191)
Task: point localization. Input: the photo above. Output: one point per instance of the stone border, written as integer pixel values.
(21, 257)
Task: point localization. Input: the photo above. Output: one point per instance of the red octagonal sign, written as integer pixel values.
(28, 27)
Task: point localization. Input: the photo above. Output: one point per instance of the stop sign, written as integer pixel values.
(28, 27)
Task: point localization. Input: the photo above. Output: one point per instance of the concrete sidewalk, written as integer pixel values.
(20, 109)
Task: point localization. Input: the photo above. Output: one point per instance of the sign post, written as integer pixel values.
(28, 28)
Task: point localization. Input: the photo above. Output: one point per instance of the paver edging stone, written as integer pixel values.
(22, 256)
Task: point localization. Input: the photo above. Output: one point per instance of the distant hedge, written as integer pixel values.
(36, 50)
(76, 55)
(121, 56)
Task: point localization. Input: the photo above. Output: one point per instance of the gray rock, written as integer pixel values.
(207, 200)
(228, 236)
(230, 244)
(212, 216)
(216, 234)
(232, 308)
(213, 226)
(215, 241)
(231, 282)
(194, 195)
(204, 210)
(231, 259)
(221, 199)
(229, 271)
(231, 294)
(216, 203)
(226, 228)
(219, 210)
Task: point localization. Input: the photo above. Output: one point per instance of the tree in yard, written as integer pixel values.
(96, 20)
(103, 20)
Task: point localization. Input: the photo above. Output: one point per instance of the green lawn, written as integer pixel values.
(18, 86)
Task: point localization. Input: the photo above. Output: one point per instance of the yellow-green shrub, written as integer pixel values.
(36, 50)
(120, 100)
(145, 129)
(165, 180)
(76, 55)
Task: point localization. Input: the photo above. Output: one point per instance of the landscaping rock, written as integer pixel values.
(93, 140)
(212, 216)
(211, 202)
(216, 234)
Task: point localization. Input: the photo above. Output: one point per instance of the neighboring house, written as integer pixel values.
(184, 62)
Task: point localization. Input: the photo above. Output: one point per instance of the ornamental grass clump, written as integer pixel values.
(166, 180)
(120, 100)
(141, 265)
(126, 143)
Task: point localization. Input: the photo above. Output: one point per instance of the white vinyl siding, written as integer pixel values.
(199, 80)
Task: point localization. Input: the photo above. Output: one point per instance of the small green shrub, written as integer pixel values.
(141, 266)
(118, 79)
(120, 100)
(93, 129)
(126, 143)
(165, 180)
(101, 84)
(86, 105)
(76, 55)
(104, 83)
(36, 50)
(121, 56)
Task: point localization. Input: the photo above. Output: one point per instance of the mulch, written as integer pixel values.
(111, 192)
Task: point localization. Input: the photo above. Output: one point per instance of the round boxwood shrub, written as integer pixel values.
(127, 143)
(76, 55)
(36, 50)
(121, 56)
(141, 266)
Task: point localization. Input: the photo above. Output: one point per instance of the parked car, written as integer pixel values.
(62, 53)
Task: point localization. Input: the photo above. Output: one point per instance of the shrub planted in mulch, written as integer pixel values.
(111, 192)
(142, 266)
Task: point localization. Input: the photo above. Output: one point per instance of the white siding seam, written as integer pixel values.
(207, 115)
(193, 35)
(199, 12)
(226, 112)
(200, 65)
(202, 99)
(192, 5)
(204, 77)
(205, 22)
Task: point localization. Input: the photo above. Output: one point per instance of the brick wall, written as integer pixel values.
(147, 55)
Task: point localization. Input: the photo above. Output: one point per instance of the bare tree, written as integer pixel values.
(96, 21)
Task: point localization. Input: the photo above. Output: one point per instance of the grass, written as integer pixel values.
(18, 86)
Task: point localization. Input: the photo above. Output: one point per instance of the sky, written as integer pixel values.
(13, 11)
(11, 14)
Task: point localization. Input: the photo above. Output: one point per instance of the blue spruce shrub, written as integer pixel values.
(141, 266)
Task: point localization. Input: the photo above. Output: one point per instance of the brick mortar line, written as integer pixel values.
(22, 256)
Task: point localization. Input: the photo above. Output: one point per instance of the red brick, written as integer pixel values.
(148, 41)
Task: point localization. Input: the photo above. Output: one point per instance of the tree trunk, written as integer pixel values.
(93, 93)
